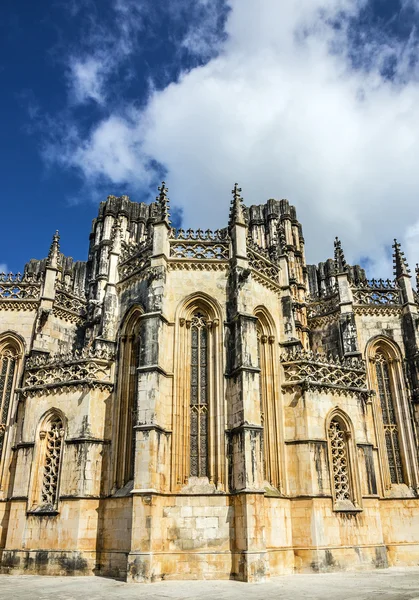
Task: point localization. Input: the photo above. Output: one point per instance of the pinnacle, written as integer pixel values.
(54, 251)
(237, 216)
(340, 262)
(400, 266)
(163, 202)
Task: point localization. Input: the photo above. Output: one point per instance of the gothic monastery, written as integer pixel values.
(205, 405)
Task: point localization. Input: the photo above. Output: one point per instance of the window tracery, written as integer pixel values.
(270, 400)
(199, 411)
(344, 476)
(340, 463)
(52, 461)
(199, 397)
(7, 373)
(126, 399)
(389, 419)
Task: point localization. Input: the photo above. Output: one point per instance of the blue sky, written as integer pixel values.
(313, 100)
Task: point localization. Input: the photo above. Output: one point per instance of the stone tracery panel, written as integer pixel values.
(340, 466)
(52, 460)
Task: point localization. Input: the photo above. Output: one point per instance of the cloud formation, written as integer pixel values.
(291, 99)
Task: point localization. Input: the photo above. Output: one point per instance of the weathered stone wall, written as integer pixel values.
(268, 504)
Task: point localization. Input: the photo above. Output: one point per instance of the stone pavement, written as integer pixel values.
(387, 584)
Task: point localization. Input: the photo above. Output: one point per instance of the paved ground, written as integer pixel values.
(386, 584)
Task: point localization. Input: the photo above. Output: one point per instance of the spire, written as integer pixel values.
(236, 208)
(163, 202)
(340, 262)
(54, 251)
(400, 266)
(417, 277)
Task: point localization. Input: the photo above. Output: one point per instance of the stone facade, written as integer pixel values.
(198, 404)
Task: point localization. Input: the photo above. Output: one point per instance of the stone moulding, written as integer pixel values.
(377, 310)
(309, 370)
(319, 322)
(197, 265)
(13, 304)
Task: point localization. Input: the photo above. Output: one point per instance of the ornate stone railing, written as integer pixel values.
(134, 258)
(378, 292)
(91, 368)
(320, 306)
(131, 250)
(19, 287)
(262, 265)
(68, 304)
(199, 244)
(254, 246)
(310, 369)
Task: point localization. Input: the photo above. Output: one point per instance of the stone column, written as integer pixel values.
(152, 436)
(244, 418)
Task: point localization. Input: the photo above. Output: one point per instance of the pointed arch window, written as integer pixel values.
(389, 419)
(340, 463)
(52, 438)
(126, 400)
(343, 472)
(198, 425)
(10, 355)
(47, 465)
(199, 396)
(270, 402)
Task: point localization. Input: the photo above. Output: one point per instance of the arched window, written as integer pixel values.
(126, 399)
(199, 396)
(391, 411)
(52, 437)
(11, 351)
(270, 399)
(389, 420)
(342, 462)
(198, 411)
(47, 464)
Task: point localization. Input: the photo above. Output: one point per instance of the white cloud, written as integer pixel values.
(88, 78)
(3, 268)
(281, 110)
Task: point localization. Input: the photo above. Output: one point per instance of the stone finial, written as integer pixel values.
(54, 251)
(417, 277)
(163, 202)
(237, 216)
(400, 266)
(340, 262)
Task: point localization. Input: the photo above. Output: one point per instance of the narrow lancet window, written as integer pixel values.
(53, 450)
(7, 374)
(340, 462)
(199, 397)
(391, 430)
